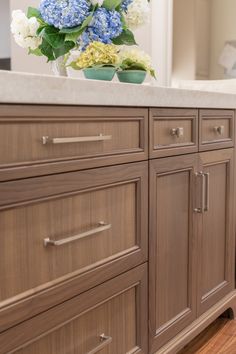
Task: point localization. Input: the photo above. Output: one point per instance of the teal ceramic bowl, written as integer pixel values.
(105, 74)
(132, 76)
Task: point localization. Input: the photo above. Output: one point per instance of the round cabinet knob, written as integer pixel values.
(219, 130)
(179, 132)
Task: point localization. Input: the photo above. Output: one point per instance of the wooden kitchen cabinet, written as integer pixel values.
(216, 229)
(191, 261)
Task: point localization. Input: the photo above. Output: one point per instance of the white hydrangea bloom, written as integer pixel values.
(97, 2)
(137, 13)
(24, 30)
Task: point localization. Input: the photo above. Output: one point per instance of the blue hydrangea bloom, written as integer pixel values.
(64, 13)
(104, 26)
(125, 4)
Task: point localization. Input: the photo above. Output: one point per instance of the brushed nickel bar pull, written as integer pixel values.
(202, 208)
(219, 130)
(207, 195)
(179, 132)
(104, 341)
(83, 139)
(102, 227)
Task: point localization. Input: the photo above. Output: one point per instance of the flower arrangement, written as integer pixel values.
(135, 59)
(58, 26)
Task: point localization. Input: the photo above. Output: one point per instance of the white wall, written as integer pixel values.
(4, 29)
(184, 40)
(223, 28)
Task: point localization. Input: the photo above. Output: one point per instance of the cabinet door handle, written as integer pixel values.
(83, 139)
(203, 193)
(104, 341)
(179, 132)
(219, 130)
(207, 191)
(102, 227)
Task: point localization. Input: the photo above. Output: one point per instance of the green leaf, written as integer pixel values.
(125, 38)
(47, 50)
(67, 46)
(111, 4)
(33, 12)
(53, 37)
(36, 51)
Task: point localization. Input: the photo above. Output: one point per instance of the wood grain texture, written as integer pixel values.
(172, 256)
(117, 308)
(24, 126)
(216, 231)
(161, 142)
(183, 338)
(116, 195)
(218, 338)
(209, 139)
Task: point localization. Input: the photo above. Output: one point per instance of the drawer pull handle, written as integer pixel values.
(203, 193)
(179, 132)
(219, 130)
(104, 341)
(83, 139)
(102, 227)
(207, 177)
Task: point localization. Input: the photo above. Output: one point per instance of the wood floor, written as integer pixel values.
(219, 338)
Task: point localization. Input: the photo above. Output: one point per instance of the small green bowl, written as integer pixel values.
(105, 74)
(132, 76)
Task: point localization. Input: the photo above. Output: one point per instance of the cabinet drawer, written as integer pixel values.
(55, 139)
(216, 129)
(80, 228)
(111, 318)
(173, 132)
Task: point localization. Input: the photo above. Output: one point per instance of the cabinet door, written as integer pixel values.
(172, 247)
(216, 230)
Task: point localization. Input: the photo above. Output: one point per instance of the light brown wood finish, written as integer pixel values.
(79, 201)
(218, 338)
(21, 127)
(163, 142)
(117, 309)
(210, 135)
(216, 231)
(172, 262)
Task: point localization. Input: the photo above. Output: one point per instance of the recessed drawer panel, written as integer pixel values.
(111, 318)
(216, 129)
(93, 226)
(73, 137)
(172, 132)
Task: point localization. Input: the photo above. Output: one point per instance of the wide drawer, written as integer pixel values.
(75, 230)
(55, 139)
(109, 319)
(173, 132)
(216, 129)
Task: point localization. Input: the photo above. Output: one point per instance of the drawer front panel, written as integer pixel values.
(216, 129)
(48, 241)
(172, 132)
(108, 319)
(71, 134)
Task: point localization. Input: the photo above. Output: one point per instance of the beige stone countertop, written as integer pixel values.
(18, 88)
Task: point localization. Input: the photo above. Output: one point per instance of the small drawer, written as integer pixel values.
(216, 129)
(81, 228)
(55, 139)
(111, 319)
(173, 132)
